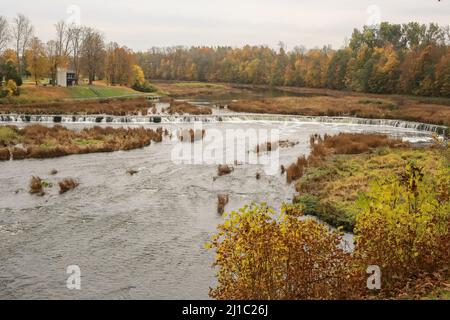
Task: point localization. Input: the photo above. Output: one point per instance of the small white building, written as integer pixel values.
(65, 77)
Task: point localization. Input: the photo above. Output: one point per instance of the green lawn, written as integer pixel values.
(83, 92)
(34, 94)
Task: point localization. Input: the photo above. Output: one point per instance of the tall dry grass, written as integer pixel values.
(4, 154)
(50, 142)
(181, 107)
(384, 107)
(36, 186)
(67, 185)
(222, 202)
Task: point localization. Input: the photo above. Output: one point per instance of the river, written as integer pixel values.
(141, 236)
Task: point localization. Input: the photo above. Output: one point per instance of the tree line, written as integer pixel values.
(410, 58)
(81, 49)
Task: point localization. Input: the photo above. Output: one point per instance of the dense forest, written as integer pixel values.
(411, 59)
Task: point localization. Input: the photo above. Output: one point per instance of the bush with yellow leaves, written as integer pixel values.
(404, 226)
(265, 256)
(10, 89)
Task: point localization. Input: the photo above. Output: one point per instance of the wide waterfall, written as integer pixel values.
(228, 117)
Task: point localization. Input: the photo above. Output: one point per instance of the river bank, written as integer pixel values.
(330, 181)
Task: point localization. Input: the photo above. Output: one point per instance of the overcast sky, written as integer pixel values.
(141, 24)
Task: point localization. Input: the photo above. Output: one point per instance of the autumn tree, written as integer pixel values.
(337, 69)
(359, 69)
(119, 62)
(138, 78)
(443, 75)
(385, 72)
(36, 58)
(8, 67)
(92, 53)
(22, 32)
(391, 58)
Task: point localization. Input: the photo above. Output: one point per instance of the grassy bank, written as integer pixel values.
(38, 94)
(343, 167)
(117, 107)
(321, 102)
(350, 105)
(40, 142)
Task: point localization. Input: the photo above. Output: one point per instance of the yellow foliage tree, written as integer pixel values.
(10, 55)
(37, 60)
(138, 76)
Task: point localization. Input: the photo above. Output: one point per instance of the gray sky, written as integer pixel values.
(141, 24)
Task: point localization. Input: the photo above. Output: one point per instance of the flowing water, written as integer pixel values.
(141, 236)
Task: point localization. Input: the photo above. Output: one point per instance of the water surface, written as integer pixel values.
(138, 237)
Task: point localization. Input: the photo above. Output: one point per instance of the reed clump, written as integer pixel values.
(222, 202)
(182, 107)
(266, 147)
(191, 135)
(4, 154)
(67, 185)
(36, 186)
(224, 170)
(37, 141)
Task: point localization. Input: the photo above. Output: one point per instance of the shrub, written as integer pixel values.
(11, 89)
(263, 256)
(144, 87)
(404, 226)
(8, 135)
(309, 203)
